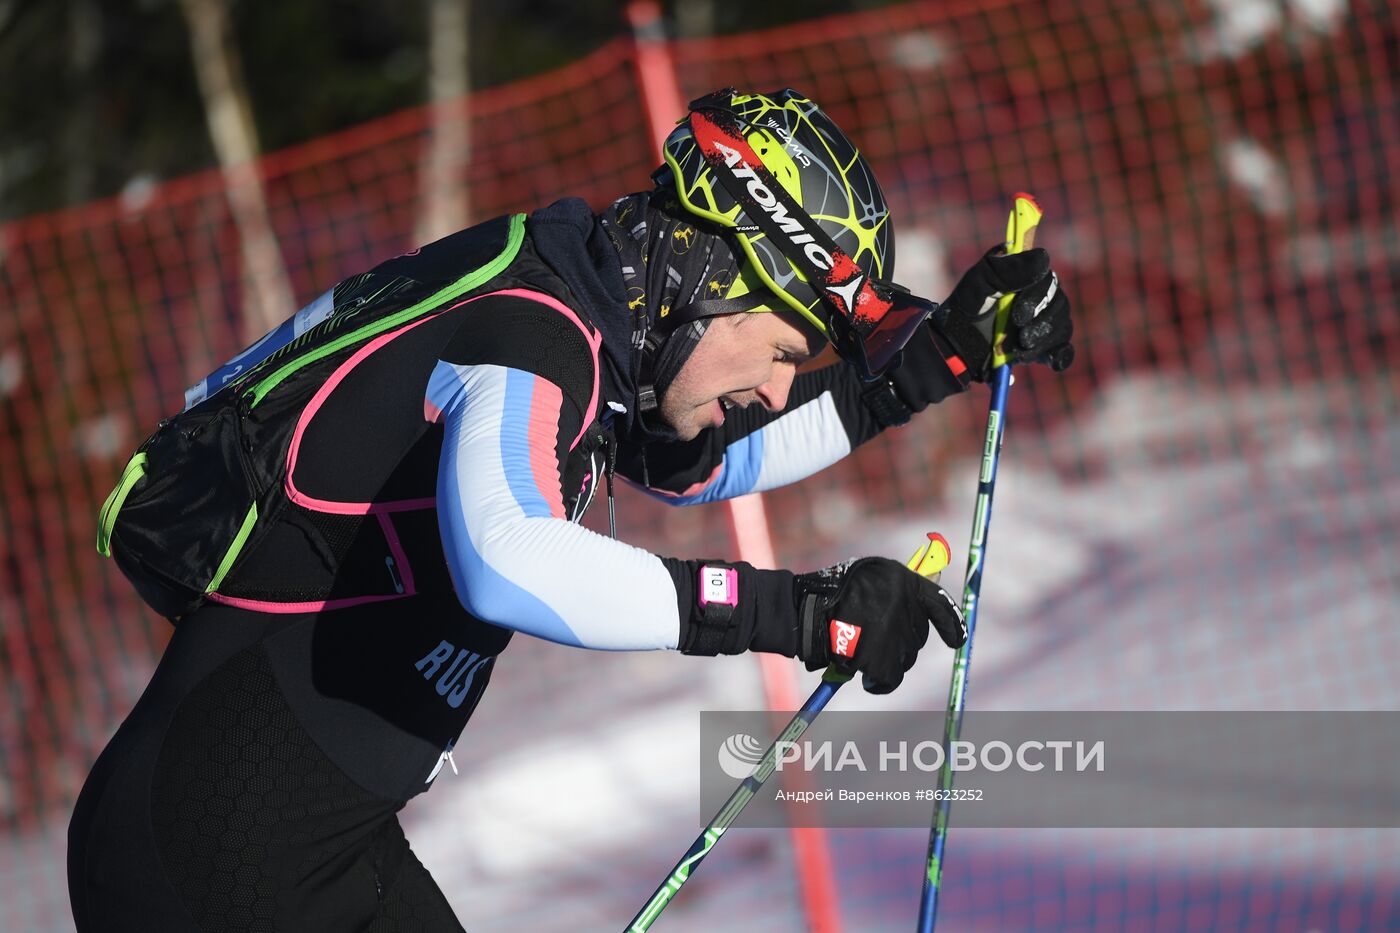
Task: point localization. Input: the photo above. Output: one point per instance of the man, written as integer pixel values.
(351, 519)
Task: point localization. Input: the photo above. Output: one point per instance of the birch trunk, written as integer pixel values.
(444, 204)
(267, 297)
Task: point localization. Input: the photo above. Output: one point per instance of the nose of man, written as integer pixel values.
(774, 393)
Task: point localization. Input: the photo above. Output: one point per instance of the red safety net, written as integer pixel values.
(1200, 514)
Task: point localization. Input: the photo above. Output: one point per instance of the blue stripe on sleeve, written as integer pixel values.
(743, 460)
(492, 596)
(515, 444)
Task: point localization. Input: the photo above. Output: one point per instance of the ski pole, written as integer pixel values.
(1020, 235)
(929, 560)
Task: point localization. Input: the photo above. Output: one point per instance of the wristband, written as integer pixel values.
(717, 594)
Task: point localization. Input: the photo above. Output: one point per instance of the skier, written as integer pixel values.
(349, 521)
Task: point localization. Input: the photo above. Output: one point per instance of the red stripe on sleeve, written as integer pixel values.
(543, 434)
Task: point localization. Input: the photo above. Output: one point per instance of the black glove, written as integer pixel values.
(1039, 327)
(871, 615)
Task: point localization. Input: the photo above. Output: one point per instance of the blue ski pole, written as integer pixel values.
(1020, 235)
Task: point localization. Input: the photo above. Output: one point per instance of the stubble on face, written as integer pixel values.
(741, 359)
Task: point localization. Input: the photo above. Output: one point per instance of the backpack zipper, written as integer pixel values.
(394, 572)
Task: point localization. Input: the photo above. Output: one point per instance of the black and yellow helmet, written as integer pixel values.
(806, 211)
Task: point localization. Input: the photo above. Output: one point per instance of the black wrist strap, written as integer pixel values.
(711, 629)
(884, 403)
(812, 644)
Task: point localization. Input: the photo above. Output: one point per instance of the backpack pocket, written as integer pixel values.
(186, 507)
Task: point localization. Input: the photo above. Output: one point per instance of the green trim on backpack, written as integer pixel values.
(107, 519)
(466, 283)
(235, 548)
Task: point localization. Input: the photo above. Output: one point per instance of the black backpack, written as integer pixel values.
(197, 493)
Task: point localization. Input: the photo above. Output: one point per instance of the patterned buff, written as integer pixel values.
(667, 262)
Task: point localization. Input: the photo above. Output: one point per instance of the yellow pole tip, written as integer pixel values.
(938, 545)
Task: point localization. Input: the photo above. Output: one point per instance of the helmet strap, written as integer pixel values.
(662, 330)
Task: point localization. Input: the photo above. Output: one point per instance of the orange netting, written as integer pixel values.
(1200, 514)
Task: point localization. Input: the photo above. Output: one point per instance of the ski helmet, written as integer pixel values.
(807, 213)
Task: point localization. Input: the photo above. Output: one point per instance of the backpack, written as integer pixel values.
(197, 493)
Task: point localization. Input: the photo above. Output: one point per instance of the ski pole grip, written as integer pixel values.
(1020, 236)
(931, 557)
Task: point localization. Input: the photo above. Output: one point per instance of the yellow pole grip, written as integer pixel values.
(1020, 236)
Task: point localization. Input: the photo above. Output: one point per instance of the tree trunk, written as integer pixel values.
(268, 295)
(695, 19)
(442, 184)
(84, 45)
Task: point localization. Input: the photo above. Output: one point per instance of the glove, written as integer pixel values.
(1039, 327)
(871, 615)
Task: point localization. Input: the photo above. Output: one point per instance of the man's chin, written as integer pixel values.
(690, 430)
(684, 426)
(699, 420)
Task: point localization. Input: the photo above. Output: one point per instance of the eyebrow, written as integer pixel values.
(799, 352)
(810, 348)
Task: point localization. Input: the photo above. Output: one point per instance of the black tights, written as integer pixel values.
(213, 809)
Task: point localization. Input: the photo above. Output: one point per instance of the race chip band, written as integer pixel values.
(719, 586)
(717, 594)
